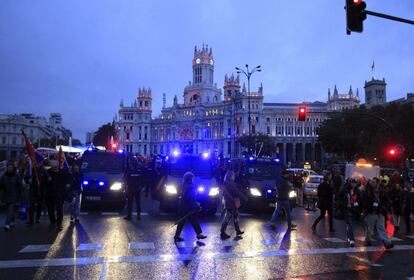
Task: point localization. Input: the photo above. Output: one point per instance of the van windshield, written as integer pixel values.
(102, 162)
(261, 171)
(199, 167)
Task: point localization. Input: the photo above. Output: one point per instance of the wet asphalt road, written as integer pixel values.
(105, 246)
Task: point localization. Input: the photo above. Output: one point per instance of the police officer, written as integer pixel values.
(133, 178)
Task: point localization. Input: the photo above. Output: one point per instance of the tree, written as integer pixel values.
(360, 132)
(262, 145)
(76, 142)
(104, 134)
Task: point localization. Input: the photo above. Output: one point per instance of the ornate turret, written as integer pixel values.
(231, 86)
(144, 99)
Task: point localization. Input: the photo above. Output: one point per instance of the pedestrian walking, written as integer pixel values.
(188, 208)
(298, 185)
(76, 189)
(57, 181)
(325, 203)
(11, 185)
(231, 196)
(134, 178)
(36, 194)
(348, 203)
(396, 203)
(282, 201)
(408, 202)
(375, 206)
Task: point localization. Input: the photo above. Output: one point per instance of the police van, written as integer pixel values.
(202, 168)
(262, 175)
(103, 177)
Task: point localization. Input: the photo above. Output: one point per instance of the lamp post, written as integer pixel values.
(248, 74)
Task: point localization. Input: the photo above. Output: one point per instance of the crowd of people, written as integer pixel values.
(375, 202)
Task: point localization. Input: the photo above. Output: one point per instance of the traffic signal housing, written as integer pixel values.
(355, 15)
(302, 113)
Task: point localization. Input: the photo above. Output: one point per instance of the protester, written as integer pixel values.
(56, 183)
(375, 205)
(36, 194)
(348, 198)
(188, 207)
(282, 201)
(325, 196)
(232, 204)
(298, 185)
(11, 185)
(408, 202)
(396, 200)
(76, 191)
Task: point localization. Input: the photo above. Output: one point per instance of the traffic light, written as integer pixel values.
(302, 113)
(355, 15)
(392, 152)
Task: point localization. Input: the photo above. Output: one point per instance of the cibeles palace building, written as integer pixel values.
(209, 118)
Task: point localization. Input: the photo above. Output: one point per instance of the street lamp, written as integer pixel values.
(248, 74)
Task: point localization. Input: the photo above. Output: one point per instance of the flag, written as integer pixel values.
(31, 152)
(373, 65)
(63, 164)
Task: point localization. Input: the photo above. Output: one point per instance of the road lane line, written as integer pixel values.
(8, 264)
(363, 260)
(102, 276)
(36, 248)
(141, 245)
(90, 247)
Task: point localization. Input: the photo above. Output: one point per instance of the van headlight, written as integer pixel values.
(255, 192)
(171, 189)
(116, 186)
(214, 191)
(292, 194)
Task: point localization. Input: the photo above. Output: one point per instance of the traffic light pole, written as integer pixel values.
(375, 14)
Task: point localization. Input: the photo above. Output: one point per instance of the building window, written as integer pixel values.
(127, 136)
(253, 129)
(268, 130)
(4, 139)
(14, 140)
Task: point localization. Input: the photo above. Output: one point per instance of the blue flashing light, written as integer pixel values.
(206, 155)
(101, 183)
(85, 183)
(251, 158)
(90, 149)
(166, 157)
(120, 151)
(269, 191)
(277, 160)
(176, 153)
(201, 189)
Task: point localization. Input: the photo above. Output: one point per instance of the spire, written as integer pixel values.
(122, 103)
(329, 94)
(350, 91)
(164, 100)
(244, 88)
(335, 91)
(175, 100)
(357, 93)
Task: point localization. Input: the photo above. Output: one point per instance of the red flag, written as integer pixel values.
(32, 155)
(63, 164)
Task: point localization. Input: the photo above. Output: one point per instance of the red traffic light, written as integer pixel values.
(302, 113)
(355, 15)
(392, 152)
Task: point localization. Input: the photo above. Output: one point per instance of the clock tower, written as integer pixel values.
(202, 90)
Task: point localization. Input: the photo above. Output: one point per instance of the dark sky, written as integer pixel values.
(80, 57)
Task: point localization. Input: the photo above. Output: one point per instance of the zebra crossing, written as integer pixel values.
(39, 248)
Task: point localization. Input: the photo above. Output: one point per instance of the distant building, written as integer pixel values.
(35, 127)
(89, 138)
(405, 100)
(212, 119)
(339, 102)
(375, 93)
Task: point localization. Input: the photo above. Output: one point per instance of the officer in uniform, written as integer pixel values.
(133, 178)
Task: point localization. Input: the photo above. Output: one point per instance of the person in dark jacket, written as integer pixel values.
(57, 182)
(134, 178)
(408, 202)
(375, 206)
(348, 203)
(188, 208)
(11, 185)
(36, 194)
(282, 201)
(325, 196)
(396, 203)
(76, 179)
(231, 195)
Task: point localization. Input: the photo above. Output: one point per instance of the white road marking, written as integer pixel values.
(269, 242)
(89, 247)
(363, 260)
(36, 248)
(185, 244)
(102, 276)
(334, 240)
(141, 245)
(110, 213)
(229, 243)
(189, 257)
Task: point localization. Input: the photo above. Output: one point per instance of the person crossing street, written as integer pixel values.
(134, 183)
